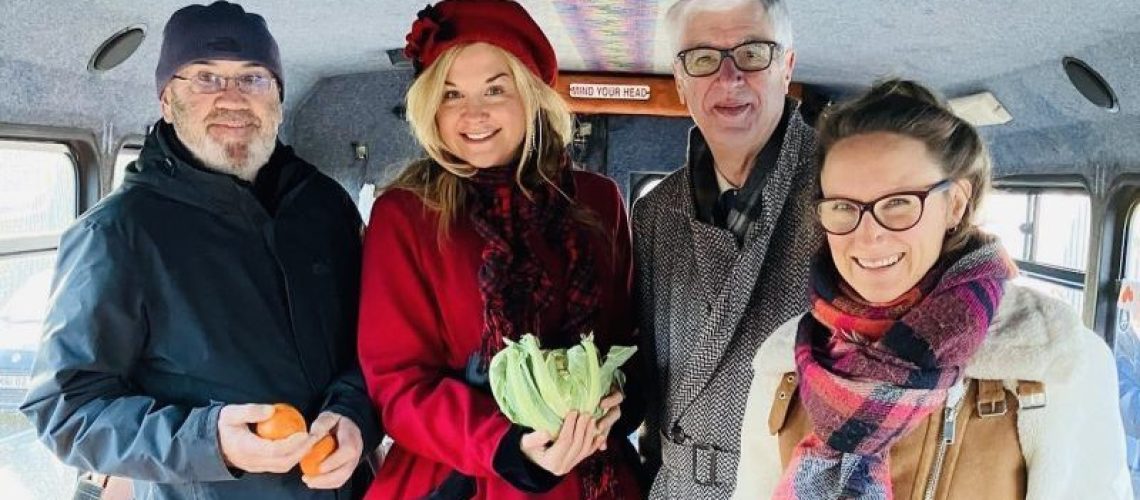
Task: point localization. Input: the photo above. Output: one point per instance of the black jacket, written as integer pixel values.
(181, 292)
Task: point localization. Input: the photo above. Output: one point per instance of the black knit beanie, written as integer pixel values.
(220, 31)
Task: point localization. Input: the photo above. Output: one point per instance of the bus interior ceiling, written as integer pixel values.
(343, 89)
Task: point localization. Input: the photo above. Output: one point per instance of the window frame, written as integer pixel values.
(131, 141)
(43, 242)
(1122, 199)
(81, 147)
(81, 143)
(1092, 311)
(1029, 265)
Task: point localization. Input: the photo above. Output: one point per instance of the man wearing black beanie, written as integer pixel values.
(221, 278)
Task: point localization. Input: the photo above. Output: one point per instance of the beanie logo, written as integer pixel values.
(224, 44)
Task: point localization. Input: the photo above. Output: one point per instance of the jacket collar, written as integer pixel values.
(1032, 337)
(166, 166)
(699, 178)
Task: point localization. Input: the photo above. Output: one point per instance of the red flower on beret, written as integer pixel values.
(429, 27)
(503, 23)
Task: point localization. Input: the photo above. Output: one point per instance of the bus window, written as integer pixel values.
(38, 197)
(1047, 234)
(126, 155)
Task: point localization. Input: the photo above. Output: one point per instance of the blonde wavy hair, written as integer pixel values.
(438, 179)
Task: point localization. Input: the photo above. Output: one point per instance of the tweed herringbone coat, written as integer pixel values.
(704, 306)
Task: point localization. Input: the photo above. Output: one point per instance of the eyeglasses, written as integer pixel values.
(748, 56)
(896, 211)
(205, 82)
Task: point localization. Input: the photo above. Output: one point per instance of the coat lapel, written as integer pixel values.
(733, 296)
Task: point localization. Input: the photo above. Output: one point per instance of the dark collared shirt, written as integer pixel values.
(707, 192)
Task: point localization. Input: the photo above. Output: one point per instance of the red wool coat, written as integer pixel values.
(421, 317)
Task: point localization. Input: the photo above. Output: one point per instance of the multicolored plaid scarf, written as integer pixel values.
(870, 372)
(516, 288)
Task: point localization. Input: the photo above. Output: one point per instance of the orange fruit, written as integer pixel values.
(311, 463)
(285, 422)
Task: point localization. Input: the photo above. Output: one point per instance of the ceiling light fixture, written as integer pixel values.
(398, 59)
(980, 109)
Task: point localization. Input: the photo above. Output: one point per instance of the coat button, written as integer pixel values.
(708, 307)
(678, 433)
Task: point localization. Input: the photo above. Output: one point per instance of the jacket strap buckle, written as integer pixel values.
(704, 465)
(785, 393)
(1030, 394)
(991, 398)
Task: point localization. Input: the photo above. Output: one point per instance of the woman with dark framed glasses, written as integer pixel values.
(921, 370)
(894, 211)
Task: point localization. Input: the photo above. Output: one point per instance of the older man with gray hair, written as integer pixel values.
(723, 245)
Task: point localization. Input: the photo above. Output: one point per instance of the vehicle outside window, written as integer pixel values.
(38, 200)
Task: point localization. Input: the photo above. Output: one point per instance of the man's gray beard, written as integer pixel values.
(237, 159)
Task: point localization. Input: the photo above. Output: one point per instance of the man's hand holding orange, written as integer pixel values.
(339, 439)
(278, 449)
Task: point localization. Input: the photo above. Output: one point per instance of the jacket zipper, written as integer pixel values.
(954, 399)
(268, 237)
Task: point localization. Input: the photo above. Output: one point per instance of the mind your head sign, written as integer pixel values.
(620, 94)
(610, 91)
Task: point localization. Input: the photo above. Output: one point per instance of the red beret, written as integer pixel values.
(502, 23)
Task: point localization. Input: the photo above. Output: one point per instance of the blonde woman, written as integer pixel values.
(492, 236)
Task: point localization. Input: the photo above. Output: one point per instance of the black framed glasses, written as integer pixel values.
(748, 56)
(895, 212)
(204, 82)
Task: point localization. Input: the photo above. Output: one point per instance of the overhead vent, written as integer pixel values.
(1090, 84)
(117, 48)
(398, 59)
(980, 109)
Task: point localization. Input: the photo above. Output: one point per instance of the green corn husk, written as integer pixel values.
(520, 400)
(536, 388)
(547, 375)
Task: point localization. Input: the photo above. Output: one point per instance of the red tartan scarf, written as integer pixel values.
(514, 285)
(870, 372)
(516, 288)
